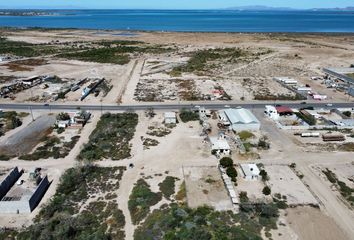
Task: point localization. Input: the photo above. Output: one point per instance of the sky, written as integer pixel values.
(168, 4)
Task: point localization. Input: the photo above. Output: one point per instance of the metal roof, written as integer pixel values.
(240, 116)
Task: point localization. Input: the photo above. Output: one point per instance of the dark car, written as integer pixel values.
(46, 104)
(303, 102)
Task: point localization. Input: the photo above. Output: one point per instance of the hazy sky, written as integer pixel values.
(172, 4)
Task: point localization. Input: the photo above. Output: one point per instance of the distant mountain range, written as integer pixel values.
(267, 8)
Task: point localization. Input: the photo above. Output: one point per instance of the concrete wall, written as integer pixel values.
(39, 193)
(27, 203)
(14, 207)
(246, 127)
(9, 181)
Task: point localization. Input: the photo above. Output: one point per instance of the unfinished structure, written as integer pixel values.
(17, 199)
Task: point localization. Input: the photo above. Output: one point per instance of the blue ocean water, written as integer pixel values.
(191, 20)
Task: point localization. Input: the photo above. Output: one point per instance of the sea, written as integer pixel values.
(190, 20)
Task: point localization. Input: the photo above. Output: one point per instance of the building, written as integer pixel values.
(319, 97)
(16, 198)
(344, 122)
(219, 145)
(239, 119)
(271, 112)
(286, 80)
(284, 110)
(170, 118)
(250, 171)
(304, 90)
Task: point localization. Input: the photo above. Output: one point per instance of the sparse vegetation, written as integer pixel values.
(181, 194)
(111, 137)
(52, 147)
(187, 116)
(179, 223)
(62, 218)
(149, 142)
(245, 135)
(201, 59)
(167, 186)
(140, 201)
(310, 120)
(345, 191)
(115, 53)
(63, 116)
(158, 131)
(10, 120)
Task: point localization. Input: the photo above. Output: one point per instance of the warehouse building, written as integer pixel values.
(239, 119)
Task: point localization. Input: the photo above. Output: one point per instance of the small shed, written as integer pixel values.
(170, 118)
(250, 171)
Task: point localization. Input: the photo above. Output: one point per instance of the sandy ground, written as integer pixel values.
(201, 192)
(300, 56)
(184, 147)
(310, 223)
(55, 168)
(284, 181)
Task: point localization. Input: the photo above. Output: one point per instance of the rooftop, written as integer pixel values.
(250, 169)
(170, 115)
(240, 116)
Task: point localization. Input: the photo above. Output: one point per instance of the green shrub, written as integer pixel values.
(330, 175)
(232, 173)
(226, 162)
(63, 116)
(111, 137)
(167, 186)
(264, 175)
(140, 201)
(244, 135)
(187, 116)
(347, 113)
(266, 190)
(201, 223)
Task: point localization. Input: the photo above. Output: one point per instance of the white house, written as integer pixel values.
(271, 112)
(250, 171)
(286, 80)
(239, 119)
(170, 118)
(219, 145)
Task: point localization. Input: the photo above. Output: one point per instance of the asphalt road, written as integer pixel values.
(163, 106)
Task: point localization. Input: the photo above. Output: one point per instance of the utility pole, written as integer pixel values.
(31, 113)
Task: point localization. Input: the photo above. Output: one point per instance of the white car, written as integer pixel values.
(329, 105)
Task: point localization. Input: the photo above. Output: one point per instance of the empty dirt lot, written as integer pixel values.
(205, 187)
(284, 181)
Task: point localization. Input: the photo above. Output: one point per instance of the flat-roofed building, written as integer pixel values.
(250, 171)
(170, 118)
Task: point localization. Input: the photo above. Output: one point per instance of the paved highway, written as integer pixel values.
(164, 106)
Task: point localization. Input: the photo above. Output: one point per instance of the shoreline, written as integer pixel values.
(45, 29)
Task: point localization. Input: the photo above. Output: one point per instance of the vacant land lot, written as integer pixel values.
(310, 223)
(284, 181)
(24, 140)
(110, 139)
(205, 187)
